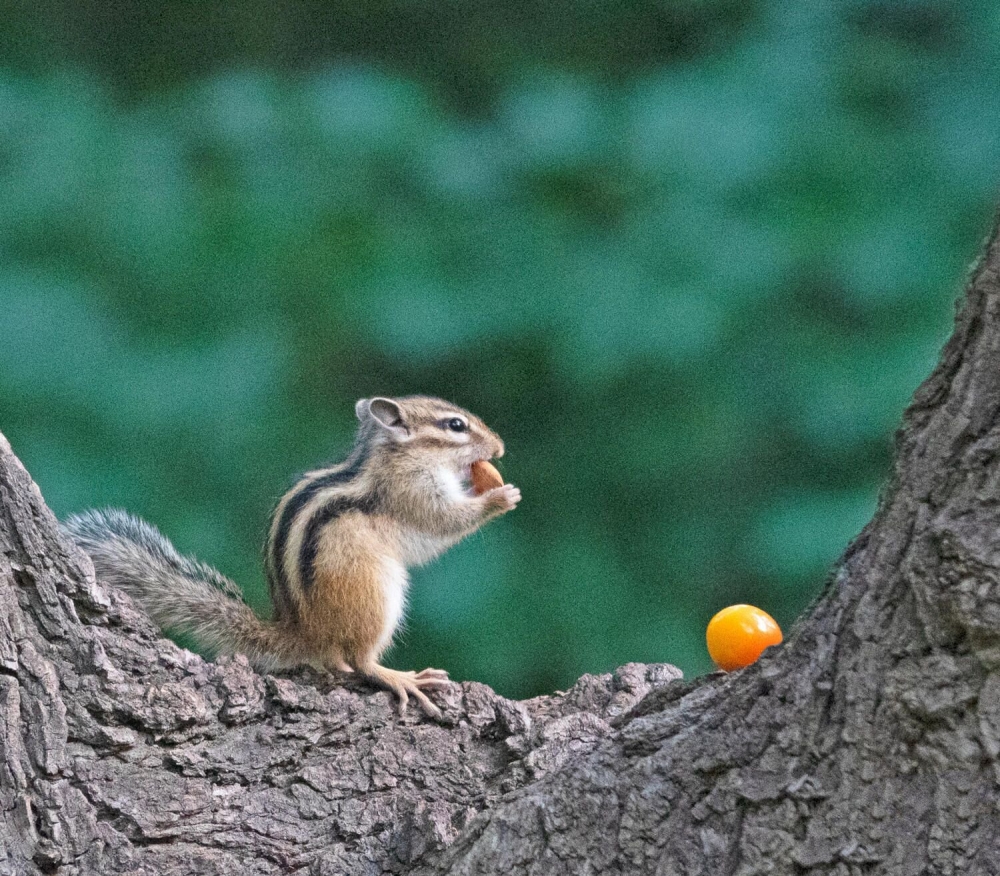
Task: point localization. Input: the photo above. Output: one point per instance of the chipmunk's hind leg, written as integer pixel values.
(407, 684)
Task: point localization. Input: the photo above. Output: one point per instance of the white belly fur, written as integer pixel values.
(416, 547)
(394, 585)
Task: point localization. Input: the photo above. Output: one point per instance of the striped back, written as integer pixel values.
(318, 495)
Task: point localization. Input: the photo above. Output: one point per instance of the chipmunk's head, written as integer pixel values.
(427, 433)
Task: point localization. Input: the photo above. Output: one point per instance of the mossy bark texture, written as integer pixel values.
(867, 743)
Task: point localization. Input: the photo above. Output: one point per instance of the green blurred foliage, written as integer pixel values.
(690, 259)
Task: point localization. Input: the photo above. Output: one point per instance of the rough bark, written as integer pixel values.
(868, 743)
(122, 753)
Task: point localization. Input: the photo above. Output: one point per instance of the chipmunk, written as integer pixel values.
(337, 552)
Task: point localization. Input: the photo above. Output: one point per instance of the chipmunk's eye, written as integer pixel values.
(458, 425)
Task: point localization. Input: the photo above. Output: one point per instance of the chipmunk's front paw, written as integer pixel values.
(503, 499)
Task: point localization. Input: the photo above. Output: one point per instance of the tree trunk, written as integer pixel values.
(868, 743)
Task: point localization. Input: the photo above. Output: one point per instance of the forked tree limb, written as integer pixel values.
(868, 743)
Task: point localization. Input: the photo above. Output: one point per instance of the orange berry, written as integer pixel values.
(737, 635)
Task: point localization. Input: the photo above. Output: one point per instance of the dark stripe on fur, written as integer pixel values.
(320, 519)
(279, 587)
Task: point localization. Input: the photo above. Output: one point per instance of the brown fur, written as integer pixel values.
(345, 615)
(410, 482)
(399, 500)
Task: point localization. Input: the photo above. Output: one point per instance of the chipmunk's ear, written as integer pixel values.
(388, 415)
(361, 409)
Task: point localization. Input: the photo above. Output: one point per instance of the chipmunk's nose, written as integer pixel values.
(498, 451)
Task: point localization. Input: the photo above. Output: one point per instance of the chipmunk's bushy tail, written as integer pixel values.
(181, 594)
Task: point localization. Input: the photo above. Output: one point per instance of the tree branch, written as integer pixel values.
(122, 753)
(868, 742)
(869, 739)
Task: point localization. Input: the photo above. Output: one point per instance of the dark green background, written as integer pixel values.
(690, 259)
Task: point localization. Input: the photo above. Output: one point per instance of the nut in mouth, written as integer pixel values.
(484, 477)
